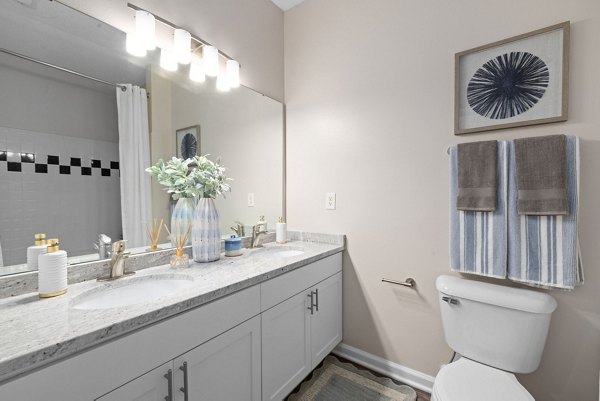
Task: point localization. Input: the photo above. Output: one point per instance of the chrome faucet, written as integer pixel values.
(103, 246)
(117, 262)
(257, 232)
(238, 229)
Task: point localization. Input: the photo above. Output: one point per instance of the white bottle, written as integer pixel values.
(52, 271)
(281, 231)
(35, 250)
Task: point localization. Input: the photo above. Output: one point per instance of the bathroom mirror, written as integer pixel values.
(59, 160)
(241, 128)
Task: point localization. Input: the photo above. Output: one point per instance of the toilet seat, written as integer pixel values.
(466, 380)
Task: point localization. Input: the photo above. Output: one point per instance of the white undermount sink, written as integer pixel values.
(132, 291)
(279, 252)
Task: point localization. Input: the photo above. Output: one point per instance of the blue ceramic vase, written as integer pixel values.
(206, 231)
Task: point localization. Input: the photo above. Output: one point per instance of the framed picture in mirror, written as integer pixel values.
(188, 142)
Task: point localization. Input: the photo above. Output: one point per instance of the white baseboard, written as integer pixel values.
(396, 371)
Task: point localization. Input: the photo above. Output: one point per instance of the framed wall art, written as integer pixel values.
(523, 80)
(188, 142)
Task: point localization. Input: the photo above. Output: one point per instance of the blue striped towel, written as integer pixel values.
(478, 243)
(543, 251)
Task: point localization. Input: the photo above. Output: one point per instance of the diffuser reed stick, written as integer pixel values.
(178, 240)
(153, 231)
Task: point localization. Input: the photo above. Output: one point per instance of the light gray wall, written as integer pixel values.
(369, 94)
(249, 31)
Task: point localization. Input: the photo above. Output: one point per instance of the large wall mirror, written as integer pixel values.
(59, 141)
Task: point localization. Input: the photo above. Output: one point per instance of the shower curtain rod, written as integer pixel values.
(56, 67)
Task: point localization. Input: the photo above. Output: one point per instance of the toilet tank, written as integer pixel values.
(499, 326)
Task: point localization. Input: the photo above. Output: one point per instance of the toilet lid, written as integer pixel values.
(466, 380)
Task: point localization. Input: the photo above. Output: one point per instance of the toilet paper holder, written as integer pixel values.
(409, 282)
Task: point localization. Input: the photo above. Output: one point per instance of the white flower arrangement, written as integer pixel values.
(194, 177)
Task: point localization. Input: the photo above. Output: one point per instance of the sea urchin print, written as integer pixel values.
(188, 146)
(508, 85)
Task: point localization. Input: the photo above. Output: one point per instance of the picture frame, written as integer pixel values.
(187, 142)
(515, 82)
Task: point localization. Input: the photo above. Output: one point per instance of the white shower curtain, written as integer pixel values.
(134, 158)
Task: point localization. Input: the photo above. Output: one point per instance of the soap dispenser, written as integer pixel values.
(262, 222)
(52, 271)
(281, 231)
(35, 250)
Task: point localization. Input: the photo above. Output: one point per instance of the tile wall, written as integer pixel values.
(65, 187)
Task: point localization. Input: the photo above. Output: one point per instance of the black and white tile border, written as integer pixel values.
(72, 165)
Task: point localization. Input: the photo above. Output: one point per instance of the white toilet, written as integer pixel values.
(498, 331)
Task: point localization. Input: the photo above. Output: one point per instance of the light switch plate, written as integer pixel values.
(250, 200)
(330, 201)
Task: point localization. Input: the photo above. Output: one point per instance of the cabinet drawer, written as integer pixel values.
(283, 287)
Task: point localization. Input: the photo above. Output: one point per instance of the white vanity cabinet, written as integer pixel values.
(223, 369)
(300, 331)
(255, 344)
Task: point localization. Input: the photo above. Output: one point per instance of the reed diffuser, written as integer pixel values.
(153, 230)
(180, 259)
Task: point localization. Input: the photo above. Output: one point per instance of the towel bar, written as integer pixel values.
(409, 282)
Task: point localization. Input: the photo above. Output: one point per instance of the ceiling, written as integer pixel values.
(286, 4)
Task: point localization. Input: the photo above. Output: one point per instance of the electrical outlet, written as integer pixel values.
(330, 200)
(250, 200)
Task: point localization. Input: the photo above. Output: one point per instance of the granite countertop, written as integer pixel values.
(37, 331)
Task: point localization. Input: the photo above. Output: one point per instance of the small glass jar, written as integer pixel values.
(180, 260)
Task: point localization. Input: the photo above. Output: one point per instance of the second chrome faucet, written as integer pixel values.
(117, 262)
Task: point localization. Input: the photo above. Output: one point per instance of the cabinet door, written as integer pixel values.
(152, 386)
(285, 346)
(326, 324)
(226, 368)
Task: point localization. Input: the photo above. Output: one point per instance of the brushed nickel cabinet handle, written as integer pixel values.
(311, 307)
(169, 377)
(184, 389)
(316, 304)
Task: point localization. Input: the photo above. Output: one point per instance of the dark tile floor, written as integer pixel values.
(421, 396)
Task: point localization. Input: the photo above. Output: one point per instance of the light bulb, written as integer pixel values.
(223, 83)
(233, 73)
(197, 70)
(167, 60)
(145, 28)
(210, 55)
(134, 45)
(182, 43)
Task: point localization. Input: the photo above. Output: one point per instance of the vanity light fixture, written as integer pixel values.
(134, 45)
(168, 61)
(233, 73)
(182, 43)
(210, 54)
(197, 70)
(145, 28)
(181, 51)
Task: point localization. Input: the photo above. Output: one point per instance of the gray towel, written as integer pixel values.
(477, 172)
(542, 175)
